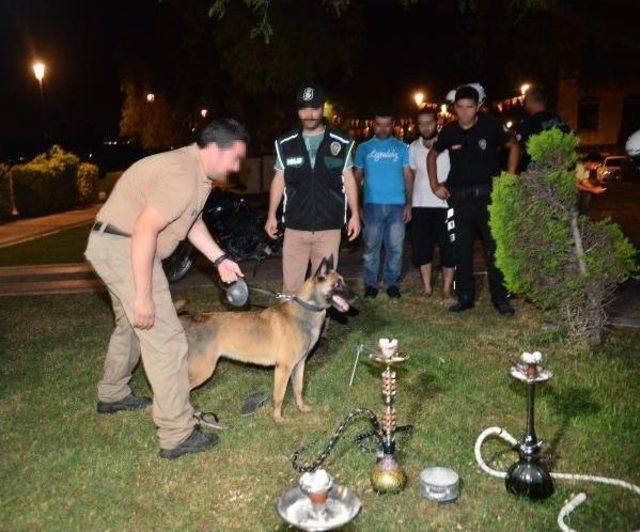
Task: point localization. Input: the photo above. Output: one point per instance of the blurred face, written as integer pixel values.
(382, 126)
(310, 117)
(219, 162)
(427, 126)
(466, 111)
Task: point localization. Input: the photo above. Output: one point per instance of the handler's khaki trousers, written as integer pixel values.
(300, 247)
(163, 347)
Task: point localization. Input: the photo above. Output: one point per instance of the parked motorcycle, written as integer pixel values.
(238, 230)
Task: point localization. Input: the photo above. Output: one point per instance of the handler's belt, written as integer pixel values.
(102, 227)
(470, 192)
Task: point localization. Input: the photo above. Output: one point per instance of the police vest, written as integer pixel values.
(314, 198)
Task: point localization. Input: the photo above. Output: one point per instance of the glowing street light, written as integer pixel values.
(443, 108)
(419, 98)
(524, 88)
(203, 112)
(151, 97)
(509, 124)
(38, 71)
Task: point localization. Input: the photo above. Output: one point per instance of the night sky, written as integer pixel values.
(91, 46)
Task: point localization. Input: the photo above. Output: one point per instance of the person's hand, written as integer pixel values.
(229, 271)
(442, 192)
(271, 226)
(353, 227)
(144, 312)
(406, 214)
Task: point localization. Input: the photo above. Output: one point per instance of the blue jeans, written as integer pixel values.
(383, 225)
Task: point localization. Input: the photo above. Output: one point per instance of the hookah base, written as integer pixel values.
(529, 478)
(388, 476)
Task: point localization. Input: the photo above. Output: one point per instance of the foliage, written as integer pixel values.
(87, 183)
(153, 125)
(50, 183)
(5, 192)
(566, 264)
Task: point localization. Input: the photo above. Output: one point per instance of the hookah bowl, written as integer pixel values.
(529, 476)
(387, 475)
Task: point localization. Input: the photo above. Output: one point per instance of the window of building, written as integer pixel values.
(588, 110)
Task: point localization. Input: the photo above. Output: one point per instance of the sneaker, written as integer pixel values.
(393, 292)
(197, 442)
(504, 308)
(130, 402)
(370, 291)
(462, 305)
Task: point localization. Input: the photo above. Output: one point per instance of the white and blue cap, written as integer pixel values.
(310, 95)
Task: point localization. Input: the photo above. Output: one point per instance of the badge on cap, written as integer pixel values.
(483, 144)
(335, 148)
(307, 94)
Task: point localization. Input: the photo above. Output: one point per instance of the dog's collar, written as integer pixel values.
(307, 305)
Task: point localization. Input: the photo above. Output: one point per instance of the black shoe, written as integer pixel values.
(370, 291)
(197, 442)
(462, 305)
(504, 308)
(393, 292)
(130, 402)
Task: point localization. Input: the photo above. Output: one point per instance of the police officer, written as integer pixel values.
(473, 142)
(537, 121)
(314, 180)
(156, 203)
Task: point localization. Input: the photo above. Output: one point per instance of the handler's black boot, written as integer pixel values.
(130, 402)
(503, 307)
(197, 442)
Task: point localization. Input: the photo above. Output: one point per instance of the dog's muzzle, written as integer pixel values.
(339, 298)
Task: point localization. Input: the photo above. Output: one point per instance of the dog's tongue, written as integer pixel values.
(340, 302)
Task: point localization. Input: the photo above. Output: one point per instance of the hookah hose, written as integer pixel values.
(574, 502)
(354, 415)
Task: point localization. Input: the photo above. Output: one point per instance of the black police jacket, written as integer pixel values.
(314, 198)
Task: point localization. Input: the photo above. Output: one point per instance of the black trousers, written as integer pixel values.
(471, 215)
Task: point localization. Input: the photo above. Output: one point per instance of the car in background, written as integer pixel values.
(611, 169)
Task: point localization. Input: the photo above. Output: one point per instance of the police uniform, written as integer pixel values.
(314, 207)
(533, 125)
(475, 161)
(175, 184)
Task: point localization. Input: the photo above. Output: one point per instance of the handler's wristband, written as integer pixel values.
(220, 260)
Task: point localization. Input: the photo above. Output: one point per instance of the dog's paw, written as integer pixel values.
(304, 407)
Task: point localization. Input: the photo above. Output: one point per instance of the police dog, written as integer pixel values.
(280, 336)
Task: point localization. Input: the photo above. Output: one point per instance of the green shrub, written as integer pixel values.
(87, 183)
(5, 192)
(47, 183)
(566, 264)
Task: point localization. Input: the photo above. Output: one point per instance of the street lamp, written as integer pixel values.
(151, 97)
(524, 88)
(443, 108)
(38, 72)
(419, 98)
(203, 112)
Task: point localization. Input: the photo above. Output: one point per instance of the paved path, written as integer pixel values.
(30, 228)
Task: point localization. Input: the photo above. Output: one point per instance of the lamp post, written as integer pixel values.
(39, 69)
(524, 88)
(418, 97)
(150, 97)
(203, 113)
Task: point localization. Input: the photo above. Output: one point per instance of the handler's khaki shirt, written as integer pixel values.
(173, 182)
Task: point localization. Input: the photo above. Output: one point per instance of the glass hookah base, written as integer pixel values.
(529, 479)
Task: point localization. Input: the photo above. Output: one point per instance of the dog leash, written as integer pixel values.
(284, 298)
(238, 294)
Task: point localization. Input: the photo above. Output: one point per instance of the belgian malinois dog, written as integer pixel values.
(280, 336)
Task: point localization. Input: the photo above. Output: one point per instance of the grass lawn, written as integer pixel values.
(66, 246)
(64, 467)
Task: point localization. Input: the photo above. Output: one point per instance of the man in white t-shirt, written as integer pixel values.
(428, 211)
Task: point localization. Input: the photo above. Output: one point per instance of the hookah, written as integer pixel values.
(318, 504)
(529, 476)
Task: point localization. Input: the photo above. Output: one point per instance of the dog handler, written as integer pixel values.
(155, 204)
(313, 172)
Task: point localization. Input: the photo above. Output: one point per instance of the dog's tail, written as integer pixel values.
(180, 305)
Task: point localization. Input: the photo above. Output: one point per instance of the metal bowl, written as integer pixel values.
(439, 484)
(296, 509)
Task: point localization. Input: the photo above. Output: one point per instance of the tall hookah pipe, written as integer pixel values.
(531, 373)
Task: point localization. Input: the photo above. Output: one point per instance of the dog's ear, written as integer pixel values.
(325, 266)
